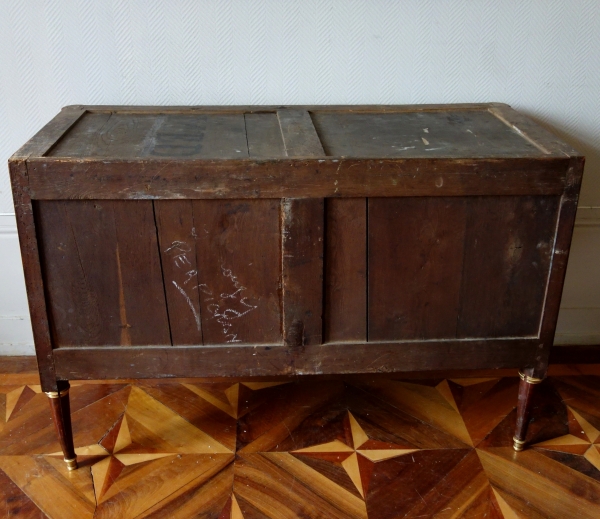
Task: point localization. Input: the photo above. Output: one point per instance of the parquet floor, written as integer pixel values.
(358, 447)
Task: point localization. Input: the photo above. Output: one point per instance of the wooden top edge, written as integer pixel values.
(275, 108)
(47, 137)
(311, 159)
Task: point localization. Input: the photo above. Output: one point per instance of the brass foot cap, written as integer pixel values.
(518, 445)
(71, 464)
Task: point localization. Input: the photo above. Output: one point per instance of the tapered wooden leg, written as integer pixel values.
(526, 390)
(61, 413)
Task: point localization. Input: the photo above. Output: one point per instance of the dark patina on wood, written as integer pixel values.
(269, 240)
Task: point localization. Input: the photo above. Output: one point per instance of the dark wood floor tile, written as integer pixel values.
(15, 503)
(399, 484)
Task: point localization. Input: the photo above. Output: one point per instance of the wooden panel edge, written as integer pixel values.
(299, 134)
(55, 179)
(50, 134)
(558, 268)
(545, 141)
(33, 273)
(271, 360)
(302, 229)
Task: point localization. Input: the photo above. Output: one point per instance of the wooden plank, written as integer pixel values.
(34, 282)
(421, 134)
(238, 258)
(299, 134)
(560, 257)
(55, 179)
(272, 360)
(77, 242)
(43, 140)
(225, 137)
(302, 272)
(264, 135)
(82, 139)
(177, 241)
(345, 287)
(544, 140)
(415, 262)
(141, 290)
(102, 268)
(158, 109)
(508, 249)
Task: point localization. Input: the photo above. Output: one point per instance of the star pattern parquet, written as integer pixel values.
(358, 447)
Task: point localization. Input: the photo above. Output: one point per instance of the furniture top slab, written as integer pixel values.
(396, 132)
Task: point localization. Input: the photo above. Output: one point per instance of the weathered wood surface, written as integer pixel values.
(51, 133)
(560, 251)
(507, 255)
(177, 236)
(55, 179)
(267, 360)
(34, 282)
(416, 248)
(238, 251)
(299, 135)
(345, 270)
(302, 272)
(433, 134)
(344, 225)
(103, 273)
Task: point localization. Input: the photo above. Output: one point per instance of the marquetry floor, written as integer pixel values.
(377, 447)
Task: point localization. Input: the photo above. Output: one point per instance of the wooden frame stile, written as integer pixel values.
(291, 163)
(57, 391)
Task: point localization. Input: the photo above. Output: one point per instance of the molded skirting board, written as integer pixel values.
(578, 323)
(15, 326)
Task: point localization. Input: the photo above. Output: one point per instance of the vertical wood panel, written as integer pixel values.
(140, 272)
(302, 268)
(238, 259)
(345, 296)
(103, 273)
(414, 264)
(177, 241)
(508, 249)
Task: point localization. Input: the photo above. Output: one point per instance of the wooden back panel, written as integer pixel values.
(270, 240)
(212, 271)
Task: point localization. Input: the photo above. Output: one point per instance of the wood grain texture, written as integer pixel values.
(508, 251)
(433, 134)
(104, 275)
(369, 447)
(53, 178)
(345, 270)
(562, 247)
(52, 132)
(277, 359)
(238, 249)
(175, 225)
(34, 283)
(264, 135)
(302, 272)
(299, 135)
(416, 250)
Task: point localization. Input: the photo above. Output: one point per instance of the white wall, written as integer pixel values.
(542, 57)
